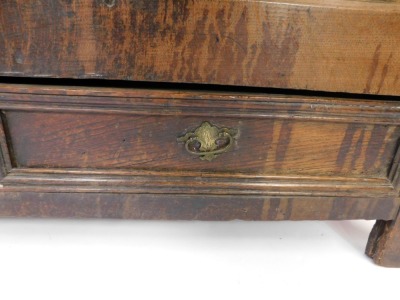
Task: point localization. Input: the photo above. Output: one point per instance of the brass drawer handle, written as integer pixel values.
(208, 141)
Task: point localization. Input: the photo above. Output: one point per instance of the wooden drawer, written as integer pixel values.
(266, 140)
(206, 155)
(319, 151)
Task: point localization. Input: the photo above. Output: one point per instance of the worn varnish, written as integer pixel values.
(102, 140)
(264, 145)
(384, 243)
(189, 207)
(137, 129)
(333, 45)
(114, 153)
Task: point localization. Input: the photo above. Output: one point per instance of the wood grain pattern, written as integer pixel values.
(192, 182)
(300, 157)
(384, 243)
(5, 161)
(333, 45)
(264, 146)
(198, 103)
(137, 128)
(190, 207)
(112, 153)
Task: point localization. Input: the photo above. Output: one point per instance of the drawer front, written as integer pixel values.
(140, 129)
(301, 44)
(262, 145)
(273, 149)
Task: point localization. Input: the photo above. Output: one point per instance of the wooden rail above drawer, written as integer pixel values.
(325, 45)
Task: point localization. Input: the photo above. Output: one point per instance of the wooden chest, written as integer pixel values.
(205, 110)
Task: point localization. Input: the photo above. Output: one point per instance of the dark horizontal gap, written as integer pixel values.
(187, 87)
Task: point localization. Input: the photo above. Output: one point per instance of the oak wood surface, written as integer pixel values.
(5, 163)
(128, 100)
(112, 153)
(266, 146)
(191, 182)
(384, 243)
(330, 45)
(138, 129)
(296, 157)
(190, 207)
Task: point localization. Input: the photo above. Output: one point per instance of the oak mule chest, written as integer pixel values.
(205, 110)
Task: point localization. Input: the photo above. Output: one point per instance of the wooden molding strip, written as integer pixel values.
(158, 182)
(141, 102)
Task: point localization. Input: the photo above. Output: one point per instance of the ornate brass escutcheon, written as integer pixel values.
(208, 141)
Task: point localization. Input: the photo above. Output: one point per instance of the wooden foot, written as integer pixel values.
(384, 243)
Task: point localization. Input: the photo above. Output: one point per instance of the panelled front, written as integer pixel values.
(263, 146)
(119, 146)
(111, 141)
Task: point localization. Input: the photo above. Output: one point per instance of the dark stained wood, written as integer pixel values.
(329, 45)
(125, 128)
(5, 161)
(64, 140)
(175, 103)
(384, 243)
(113, 152)
(264, 145)
(192, 182)
(109, 140)
(394, 173)
(190, 207)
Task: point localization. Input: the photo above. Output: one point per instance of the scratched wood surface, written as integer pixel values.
(296, 157)
(189, 207)
(53, 127)
(162, 182)
(384, 243)
(267, 146)
(330, 45)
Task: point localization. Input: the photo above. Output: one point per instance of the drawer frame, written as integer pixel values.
(372, 198)
(171, 195)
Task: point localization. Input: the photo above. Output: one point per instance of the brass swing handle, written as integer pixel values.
(208, 141)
